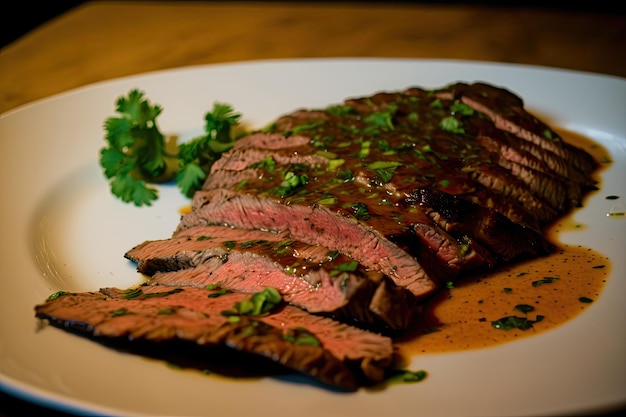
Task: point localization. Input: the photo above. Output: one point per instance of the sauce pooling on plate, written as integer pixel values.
(530, 297)
(515, 301)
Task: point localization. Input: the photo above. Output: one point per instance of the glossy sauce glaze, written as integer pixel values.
(539, 294)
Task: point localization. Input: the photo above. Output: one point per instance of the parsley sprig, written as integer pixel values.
(137, 155)
(196, 156)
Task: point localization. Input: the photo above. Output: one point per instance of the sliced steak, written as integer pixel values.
(507, 112)
(531, 156)
(310, 277)
(337, 354)
(461, 255)
(496, 179)
(503, 238)
(186, 250)
(509, 208)
(351, 186)
(231, 179)
(366, 159)
(242, 158)
(270, 141)
(422, 186)
(314, 225)
(555, 191)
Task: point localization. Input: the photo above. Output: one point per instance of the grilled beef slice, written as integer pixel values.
(356, 185)
(314, 225)
(310, 277)
(464, 218)
(270, 141)
(507, 112)
(341, 355)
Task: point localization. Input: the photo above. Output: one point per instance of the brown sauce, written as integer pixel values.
(566, 283)
(461, 318)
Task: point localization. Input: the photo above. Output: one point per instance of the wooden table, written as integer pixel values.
(104, 40)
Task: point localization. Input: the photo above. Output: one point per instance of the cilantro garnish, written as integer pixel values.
(56, 295)
(291, 182)
(267, 163)
(384, 169)
(524, 308)
(196, 157)
(515, 322)
(259, 304)
(344, 267)
(301, 336)
(544, 280)
(380, 120)
(136, 154)
(450, 124)
(360, 211)
(460, 108)
(406, 376)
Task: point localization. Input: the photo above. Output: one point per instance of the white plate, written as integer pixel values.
(63, 230)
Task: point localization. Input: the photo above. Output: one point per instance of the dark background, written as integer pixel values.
(22, 16)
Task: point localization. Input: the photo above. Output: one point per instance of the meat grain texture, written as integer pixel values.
(356, 214)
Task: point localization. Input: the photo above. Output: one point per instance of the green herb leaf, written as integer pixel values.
(119, 312)
(196, 157)
(360, 211)
(266, 163)
(132, 293)
(515, 322)
(461, 108)
(332, 255)
(259, 304)
(56, 295)
(544, 280)
(283, 247)
(450, 124)
(301, 336)
(166, 310)
(384, 169)
(229, 244)
(211, 287)
(383, 120)
(407, 376)
(190, 178)
(219, 292)
(163, 293)
(524, 308)
(347, 266)
(291, 182)
(341, 110)
(135, 152)
(254, 242)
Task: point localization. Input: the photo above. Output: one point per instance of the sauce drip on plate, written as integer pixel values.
(557, 288)
(530, 297)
